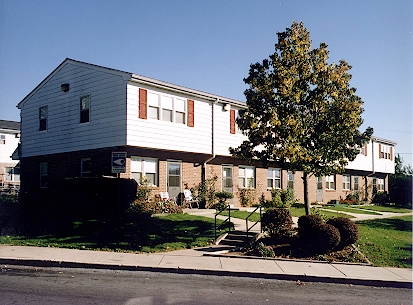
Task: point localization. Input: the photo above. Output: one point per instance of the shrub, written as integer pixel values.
(222, 200)
(280, 198)
(247, 196)
(327, 237)
(154, 207)
(349, 231)
(380, 198)
(306, 225)
(265, 251)
(277, 222)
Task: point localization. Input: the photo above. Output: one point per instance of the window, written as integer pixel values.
(356, 183)
(346, 182)
(143, 167)
(12, 174)
(246, 177)
(274, 178)
(173, 109)
(385, 152)
(43, 118)
(2, 139)
(85, 167)
(374, 183)
(363, 149)
(44, 175)
(233, 116)
(380, 184)
(330, 182)
(290, 180)
(85, 109)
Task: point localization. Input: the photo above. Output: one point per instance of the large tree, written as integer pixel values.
(302, 112)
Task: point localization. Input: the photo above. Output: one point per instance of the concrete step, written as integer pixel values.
(237, 239)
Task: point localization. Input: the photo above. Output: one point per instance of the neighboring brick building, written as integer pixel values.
(9, 164)
(175, 136)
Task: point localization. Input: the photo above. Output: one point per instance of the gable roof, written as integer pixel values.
(138, 79)
(10, 125)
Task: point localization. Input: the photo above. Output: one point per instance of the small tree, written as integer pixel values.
(301, 112)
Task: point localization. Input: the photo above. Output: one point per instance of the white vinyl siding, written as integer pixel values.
(107, 126)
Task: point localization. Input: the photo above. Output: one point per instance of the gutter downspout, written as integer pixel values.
(204, 173)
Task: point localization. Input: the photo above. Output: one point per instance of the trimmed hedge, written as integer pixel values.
(349, 231)
(306, 225)
(327, 237)
(277, 222)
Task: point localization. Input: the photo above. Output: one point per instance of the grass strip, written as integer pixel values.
(380, 208)
(387, 242)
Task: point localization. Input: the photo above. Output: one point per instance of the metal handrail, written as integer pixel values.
(225, 221)
(246, 220)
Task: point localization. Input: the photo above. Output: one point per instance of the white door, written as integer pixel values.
(174, 179)
(227, 181)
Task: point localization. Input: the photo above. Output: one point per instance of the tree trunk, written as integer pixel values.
(306, 201)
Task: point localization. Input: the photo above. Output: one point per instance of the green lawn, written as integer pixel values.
(243, 215)
(297, 212)
(166, 233)
(388, 241)
(379, 208)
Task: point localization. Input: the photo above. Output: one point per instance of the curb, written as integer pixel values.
(177, 270)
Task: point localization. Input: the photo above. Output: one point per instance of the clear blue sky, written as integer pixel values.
(209, 45)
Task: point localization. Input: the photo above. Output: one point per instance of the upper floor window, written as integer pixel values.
(246, 177)
(274, 178)
(43, 118)
(330, 182)
(85, 109)
(233, 116)
(385, 152)
(166, 108)
(363, 149)
(144, 168)
(346, 182)
(2, 139)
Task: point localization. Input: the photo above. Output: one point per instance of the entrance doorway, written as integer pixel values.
(174, 178)
(319, 192)
(227, 180)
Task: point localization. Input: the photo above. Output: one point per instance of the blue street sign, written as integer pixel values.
(118, 162)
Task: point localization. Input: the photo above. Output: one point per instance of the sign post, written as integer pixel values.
(118, 162)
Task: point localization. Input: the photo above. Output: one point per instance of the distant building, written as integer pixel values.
(9, 164)
(174, 136)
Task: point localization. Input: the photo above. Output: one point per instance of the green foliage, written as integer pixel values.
(277, 222)
(154, 207)
(349, 231)
(327, 237)
(301, 110)
(400, 183)
(306, 225)
(144, 190)
(380, 198)
(264, 251)
(247, 196)
(222, 200)
(205, 192)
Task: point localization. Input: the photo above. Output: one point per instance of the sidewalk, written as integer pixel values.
(198, 261)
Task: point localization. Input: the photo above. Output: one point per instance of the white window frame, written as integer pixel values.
(2, 139)
(144, 169)
(380, 185)
(331, 183)
(346, 179)
(44, 175)
(10, 174)
(246, 177)
(384, 151)
(84, 109)
(85, 172)
(274, 178)
(356, 183)
(168, 108)
(43, 117)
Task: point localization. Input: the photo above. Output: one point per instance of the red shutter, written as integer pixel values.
(365, 149)
(379, 151)
(191, 116)
(143, 103)
(232, 121)
(391, 153)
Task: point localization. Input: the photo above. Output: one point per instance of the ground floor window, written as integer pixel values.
(12, 174)
(274, 178)
(44, 175)
(356, 183)
(380, 184)
(290, 180)
(85, 167)
(246, 177)
(346, 182)
(144, 168)
(330, 182)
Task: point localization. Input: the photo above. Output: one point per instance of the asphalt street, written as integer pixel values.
(30, 285)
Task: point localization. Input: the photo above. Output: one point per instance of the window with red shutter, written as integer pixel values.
(143, 101)
(191, 116)
(232, 121)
